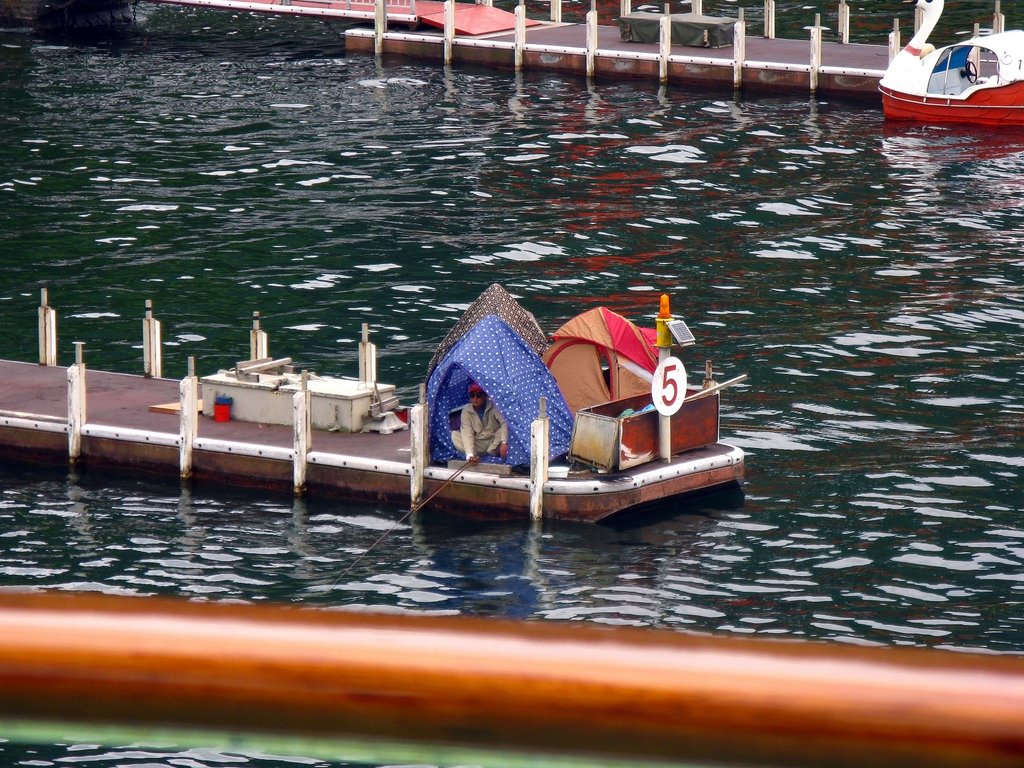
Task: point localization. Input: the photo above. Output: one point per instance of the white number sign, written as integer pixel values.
(668, 388)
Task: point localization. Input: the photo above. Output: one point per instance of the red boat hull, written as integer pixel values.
(1002, 106)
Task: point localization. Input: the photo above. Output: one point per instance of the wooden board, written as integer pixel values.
(172, 407)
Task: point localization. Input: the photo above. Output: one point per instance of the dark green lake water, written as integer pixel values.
(867, 278)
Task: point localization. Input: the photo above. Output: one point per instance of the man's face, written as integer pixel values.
(478, 398)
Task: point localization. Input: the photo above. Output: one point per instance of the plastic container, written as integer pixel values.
(222, 408)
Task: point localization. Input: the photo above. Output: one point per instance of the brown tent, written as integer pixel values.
(599, 356)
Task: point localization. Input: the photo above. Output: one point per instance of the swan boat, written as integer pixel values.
(978, 81)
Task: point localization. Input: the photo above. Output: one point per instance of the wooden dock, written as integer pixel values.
(125, 424)
(467, 33)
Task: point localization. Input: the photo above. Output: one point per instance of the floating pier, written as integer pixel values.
(295, 432)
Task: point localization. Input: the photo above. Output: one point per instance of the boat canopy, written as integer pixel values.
(989, 61)
(599, 356)
(497, 358)
(493, 301)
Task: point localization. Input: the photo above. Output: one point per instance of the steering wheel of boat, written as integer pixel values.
(971, 71)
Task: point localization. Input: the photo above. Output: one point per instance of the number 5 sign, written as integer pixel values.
(668, 388)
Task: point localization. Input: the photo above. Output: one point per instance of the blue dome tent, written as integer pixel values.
(496, 357)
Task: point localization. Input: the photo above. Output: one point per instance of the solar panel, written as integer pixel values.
(681, 333)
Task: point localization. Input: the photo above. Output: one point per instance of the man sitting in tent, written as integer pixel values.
(483, 430)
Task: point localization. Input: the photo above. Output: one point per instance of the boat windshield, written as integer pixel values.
(961, 67)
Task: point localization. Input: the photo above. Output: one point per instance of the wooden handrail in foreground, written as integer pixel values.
(531, 687)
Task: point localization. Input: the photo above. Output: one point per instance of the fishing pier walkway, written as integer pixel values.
(687, 49)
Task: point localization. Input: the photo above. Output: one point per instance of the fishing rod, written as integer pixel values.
(415, 508)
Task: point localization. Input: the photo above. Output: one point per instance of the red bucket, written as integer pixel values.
(222, 408)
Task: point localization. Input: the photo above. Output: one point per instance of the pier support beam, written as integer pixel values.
(539, 456)
(894, 40)
(844, 22)
(418, 448)
(449, 30)
(76, 404)
(556, 11)
(302, 433)
(769, 19)
(380, 25)
(47, 331)
(998, 19)
(697, 6)
(367, 358)
(152, 353)
(739, 50)
(520, 36)
(188, 419)
(259, 347)
(591, 20)
(664, 45)
(815, 53)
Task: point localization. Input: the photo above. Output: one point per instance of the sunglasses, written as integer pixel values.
(476, 395)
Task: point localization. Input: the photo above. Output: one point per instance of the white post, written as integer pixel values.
(539, 449)
(302, 434)
(918, 18)
(591, 42)
(449, 30)
(418, 445)
(664, 45)
(188, 418)
(258, 345)
(815, 53)
(769, 19)
(152, 353)
(367, 358)
(47, 331)
(76, 404)
(697, 7)
(380, 25)
(894, 40)
(520, 42)
(664, 344)
(556, 11)
(739, 50)
(625, 8)
(844, 22)
(998, 20)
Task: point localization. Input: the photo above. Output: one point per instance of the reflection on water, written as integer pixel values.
(866, 277)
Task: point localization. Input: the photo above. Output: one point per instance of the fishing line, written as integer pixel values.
(415, 508)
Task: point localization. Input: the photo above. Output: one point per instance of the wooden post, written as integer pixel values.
(664, 345)
(769, 19)
(380, 25)
(739, 50)
(302, 434)
(188, 419)
(998, 20)
(815, 53)
(918, 18)
(556, 11)
(591, 41)
(520, 41)
(418, 448)
(625, 7)
(152, 353)
(259, 347)
(844, 22)
(76, 404)
(449, 30)
(664, 45)
(539, 456)
(697, 6)
(367, 358)
(47, 331)
(894, 40)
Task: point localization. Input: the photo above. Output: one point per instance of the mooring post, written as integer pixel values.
(739, 50)
(769, 19)
(417, 447)
(520, 41)
(539, 450)
(556, 11)
(591, 20)
(697, 7)
(844, 22)
(998, 19)
(380, 25)
(625, 8)
(152, 352)
(302, 434)
(367, 358)
(188, 418)
(259, 347)
(894, 40)
(664, 44)
(918, 18)
(47, 331)
(815, 53)
(76, 404)
(449, 30)
(663, 342)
